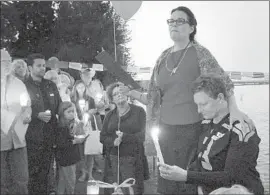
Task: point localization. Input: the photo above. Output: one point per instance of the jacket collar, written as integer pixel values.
(43, 81)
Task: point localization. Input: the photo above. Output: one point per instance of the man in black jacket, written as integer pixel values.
(40, 135)
(225, 155)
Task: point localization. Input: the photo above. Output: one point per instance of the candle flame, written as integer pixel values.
(85, 117)
(99, 96)
(23, 99)
(82, 103)
(155, 133)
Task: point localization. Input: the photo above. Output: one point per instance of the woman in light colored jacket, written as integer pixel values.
(15, 116)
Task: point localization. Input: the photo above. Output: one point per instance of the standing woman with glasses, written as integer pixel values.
(169, 100)
(123, 134)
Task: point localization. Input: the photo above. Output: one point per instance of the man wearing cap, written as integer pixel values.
(40, 135)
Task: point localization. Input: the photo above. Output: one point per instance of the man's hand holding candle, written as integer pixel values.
(173, 173)
(45, 116)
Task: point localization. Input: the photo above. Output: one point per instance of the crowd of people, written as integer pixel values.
(59, 121)
(49, 121)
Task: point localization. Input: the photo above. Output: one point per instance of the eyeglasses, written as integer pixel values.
(178, 22)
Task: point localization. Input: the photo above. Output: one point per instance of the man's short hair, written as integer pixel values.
(211, 84)
(32, 57)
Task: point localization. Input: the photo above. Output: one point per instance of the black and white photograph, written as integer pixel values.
(134, 97)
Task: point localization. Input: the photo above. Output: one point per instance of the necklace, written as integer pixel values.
(173, 71)
(123, 113)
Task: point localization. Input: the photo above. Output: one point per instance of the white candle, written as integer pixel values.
(48, 111)
(85, 118)
(92, 188)
(82, 104)
(23, 99)
(155, 132)
(99, 96)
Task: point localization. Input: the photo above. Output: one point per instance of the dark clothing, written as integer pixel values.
(133, 127)
(226, 157)
(178, 145)
(40, 136)
(67, 153)
(177, 105)
(53, 174)
(14, 171)
(39, 162)
(127, 170)
(44, 96)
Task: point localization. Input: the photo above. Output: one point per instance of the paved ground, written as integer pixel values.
(150, 185)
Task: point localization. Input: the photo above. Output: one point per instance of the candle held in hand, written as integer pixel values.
(48, 111)
(85, 118)
(82, 104)
(155, 132)
(99, 96)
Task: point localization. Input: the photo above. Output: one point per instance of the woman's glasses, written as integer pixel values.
(178, 22)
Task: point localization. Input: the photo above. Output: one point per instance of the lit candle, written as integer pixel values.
(80, 136)
(82, 104)
(99, 96)
(85, 118)
(155, 132)
(48, 111)
(23, 99)
(92, 187)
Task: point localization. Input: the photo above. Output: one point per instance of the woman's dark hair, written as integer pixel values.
(74, 92)
(30, 59)
(75, 98)
(191, 18)
(62, 108)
